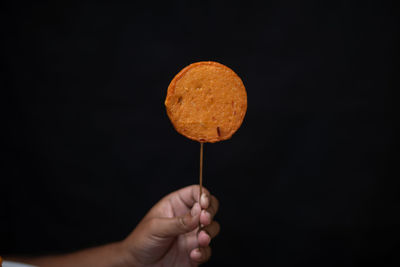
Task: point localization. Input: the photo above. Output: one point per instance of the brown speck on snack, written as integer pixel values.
(233, 104)
(234, 112)
(180, 99)
(218, 132)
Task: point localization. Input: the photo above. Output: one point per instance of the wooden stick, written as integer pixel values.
(201, 179)
(201, 170)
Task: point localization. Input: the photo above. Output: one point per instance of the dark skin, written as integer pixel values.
(168, 235)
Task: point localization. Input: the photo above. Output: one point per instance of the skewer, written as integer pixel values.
(201, 170)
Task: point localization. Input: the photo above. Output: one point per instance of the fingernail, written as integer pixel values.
(204, 198)
(207, 233)
(195, 210)
(206, 213)
(203, 230)
(197, 252)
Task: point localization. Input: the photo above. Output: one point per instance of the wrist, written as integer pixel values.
(125, 255)
(121, 256)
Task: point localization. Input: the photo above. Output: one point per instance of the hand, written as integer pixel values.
(169, 234)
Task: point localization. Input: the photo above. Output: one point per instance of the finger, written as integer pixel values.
(213, 229)
(203, 238)
(190, 195)
(207, 233)
(171, 227)
(200, 255)
(191, 241)
(204, 201)
(207, 215)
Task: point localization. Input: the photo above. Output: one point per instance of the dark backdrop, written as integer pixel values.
(89, 148)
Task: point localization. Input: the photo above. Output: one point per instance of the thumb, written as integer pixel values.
(171, 227)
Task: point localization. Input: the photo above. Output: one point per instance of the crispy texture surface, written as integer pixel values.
(206, 102)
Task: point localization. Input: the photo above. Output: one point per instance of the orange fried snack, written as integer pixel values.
(206, 102)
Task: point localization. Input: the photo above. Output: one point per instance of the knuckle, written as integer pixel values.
(181, 222)
(217, 228)
(184, 222)
(216, 202)
(212, 211)
(207, 254)
(214, 229)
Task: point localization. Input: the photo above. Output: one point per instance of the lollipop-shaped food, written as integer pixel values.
(206, 102)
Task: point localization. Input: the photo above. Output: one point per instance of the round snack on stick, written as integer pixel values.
(206, 102)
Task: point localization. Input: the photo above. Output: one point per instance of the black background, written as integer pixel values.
(305, 181)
